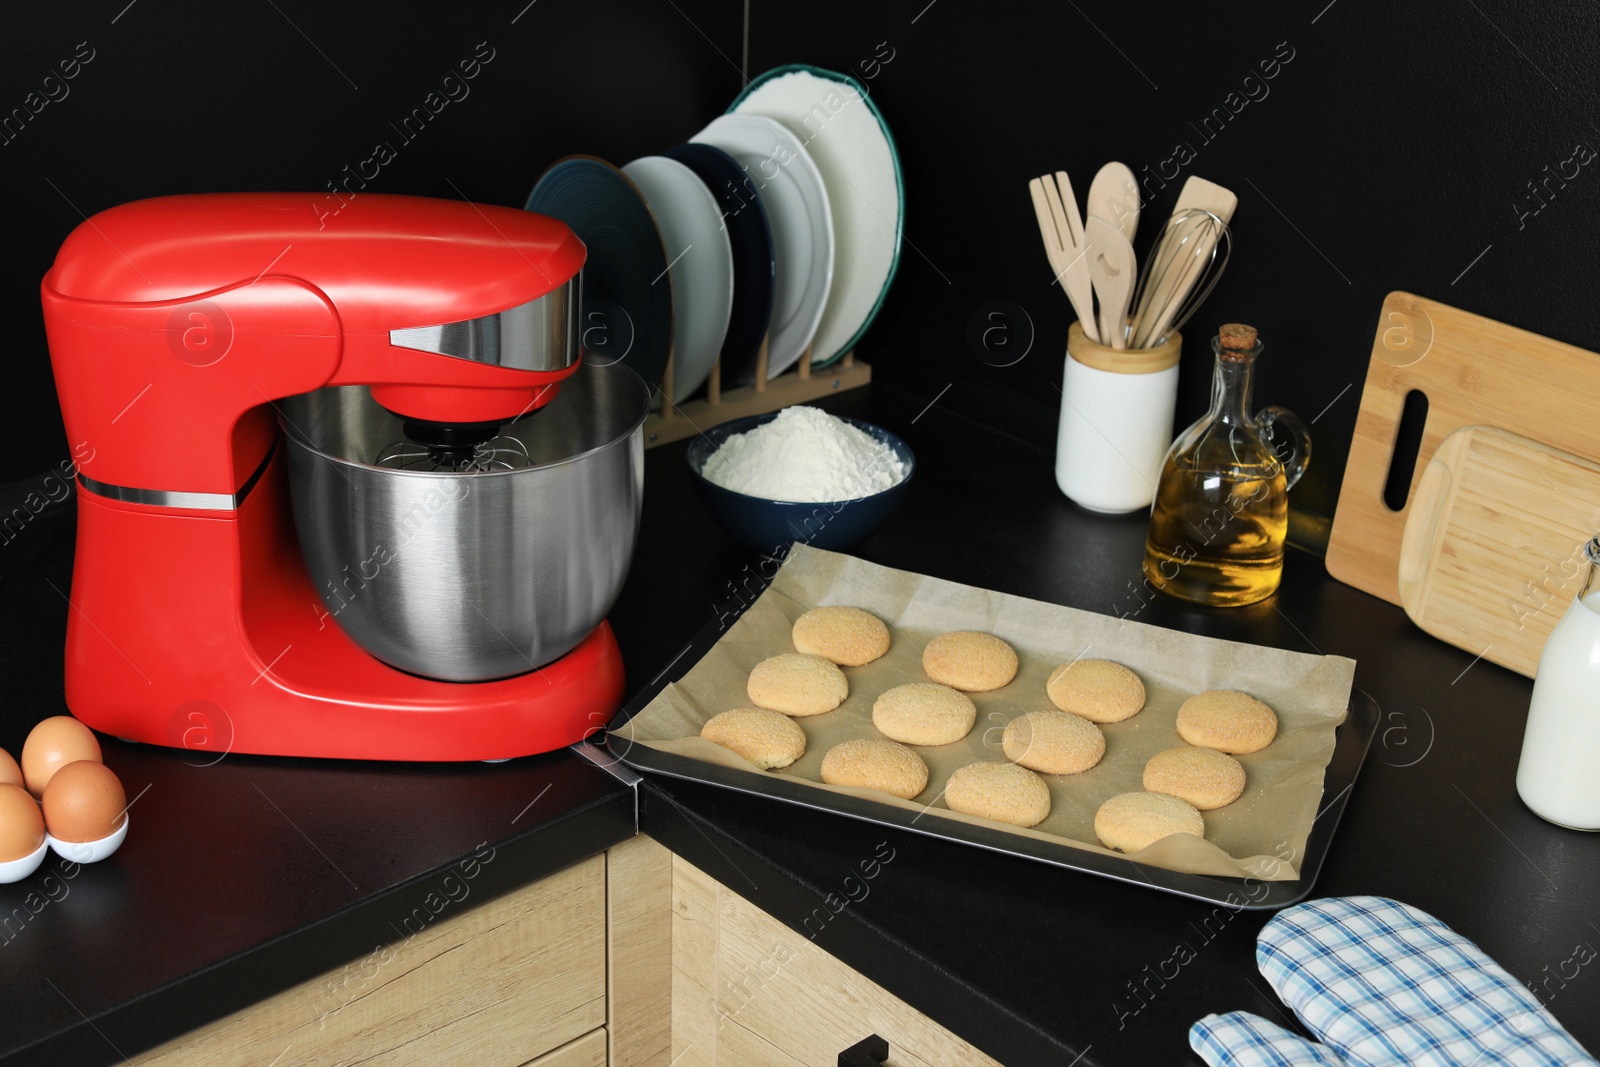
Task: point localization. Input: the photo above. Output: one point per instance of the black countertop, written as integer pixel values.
(246, 877)
(1083, 966)
(243, 877)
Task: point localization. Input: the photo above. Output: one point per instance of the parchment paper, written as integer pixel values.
(1260, 835)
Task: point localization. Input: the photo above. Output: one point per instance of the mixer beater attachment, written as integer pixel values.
(499, 453)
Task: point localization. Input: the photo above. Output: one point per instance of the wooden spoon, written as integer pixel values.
(1114, 196)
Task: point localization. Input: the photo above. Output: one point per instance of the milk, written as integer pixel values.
(1559, 772)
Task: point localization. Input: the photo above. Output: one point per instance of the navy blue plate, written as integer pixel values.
(754, 267)
(627, 295)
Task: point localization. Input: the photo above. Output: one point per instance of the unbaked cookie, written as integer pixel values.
(1204, 777)
(1053, 742)
(924, 713)
(847, 636)
(970, 661)
(873, 763)
(765, 738)
(1227, 721)
(1097, 689)
(1129, 822)
(797, 684)
(1003, 792)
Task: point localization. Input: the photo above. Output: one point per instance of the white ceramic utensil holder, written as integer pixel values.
(1116, 422)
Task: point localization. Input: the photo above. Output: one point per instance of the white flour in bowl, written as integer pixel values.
(804, 455)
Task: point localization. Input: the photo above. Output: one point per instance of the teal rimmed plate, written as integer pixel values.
(844, 133)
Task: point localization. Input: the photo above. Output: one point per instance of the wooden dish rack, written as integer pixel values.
(675, 422)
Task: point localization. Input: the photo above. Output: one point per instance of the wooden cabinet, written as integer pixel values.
(522, 979)
(748, 990)
(634, 958)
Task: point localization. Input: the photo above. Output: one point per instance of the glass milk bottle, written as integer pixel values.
(1559, 773)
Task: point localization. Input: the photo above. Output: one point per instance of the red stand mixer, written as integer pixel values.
(465, 489)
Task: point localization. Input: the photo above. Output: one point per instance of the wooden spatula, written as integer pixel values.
(1112, 270)
(1207, 196)
(1164, 293)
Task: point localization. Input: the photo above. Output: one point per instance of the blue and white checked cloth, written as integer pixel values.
(1385, 985)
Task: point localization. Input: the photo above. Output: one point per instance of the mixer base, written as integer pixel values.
(203, 632)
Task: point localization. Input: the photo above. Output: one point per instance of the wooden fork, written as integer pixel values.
(1061, 227)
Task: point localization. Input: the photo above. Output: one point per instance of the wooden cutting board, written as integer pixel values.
(1492, 552)
(1474, 372)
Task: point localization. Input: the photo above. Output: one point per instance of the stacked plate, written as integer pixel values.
(780, 221)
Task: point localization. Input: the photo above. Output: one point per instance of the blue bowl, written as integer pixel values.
(769, 527)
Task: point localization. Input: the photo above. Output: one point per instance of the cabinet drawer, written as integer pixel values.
(588, 1051)
(758, 992)
(500, 984)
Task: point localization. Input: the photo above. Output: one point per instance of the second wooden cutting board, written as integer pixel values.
(1492, 552)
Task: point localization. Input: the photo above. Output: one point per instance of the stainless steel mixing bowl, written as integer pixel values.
(470, 576)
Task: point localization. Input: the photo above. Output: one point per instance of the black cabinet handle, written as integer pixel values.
(868, 1052)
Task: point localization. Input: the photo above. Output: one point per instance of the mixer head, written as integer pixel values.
(440, 434)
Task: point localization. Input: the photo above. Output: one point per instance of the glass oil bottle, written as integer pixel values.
(1221, 513)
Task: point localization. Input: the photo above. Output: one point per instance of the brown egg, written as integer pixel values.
(83, 802)
(21, 825)
(10, 773)
(51, 745)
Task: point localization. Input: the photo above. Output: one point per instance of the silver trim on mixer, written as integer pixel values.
(161, 497)
(172, 498)
(541, 335)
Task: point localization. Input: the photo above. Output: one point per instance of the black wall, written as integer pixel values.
(190, 97)
(1388, 153)
(1393, 148)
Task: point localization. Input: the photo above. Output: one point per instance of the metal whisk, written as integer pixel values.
(1184, 266)
(500, 453)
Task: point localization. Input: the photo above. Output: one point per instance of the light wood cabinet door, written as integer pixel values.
(499, 984)
(747, 989)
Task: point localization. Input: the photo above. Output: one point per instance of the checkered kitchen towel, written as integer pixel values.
(1383, 984)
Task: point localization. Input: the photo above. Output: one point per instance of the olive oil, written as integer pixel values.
(1221, 513)
(1217, 539)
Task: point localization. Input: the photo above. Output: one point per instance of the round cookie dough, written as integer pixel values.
(970, 661)
(1129, 822)
(797, 684)
(1204, 777)
(1097, 689)
(765, 738)
(1003, 792)
(873, 763)
(1053, 742)
(924, 713)
(847, 636)
(1227, 721)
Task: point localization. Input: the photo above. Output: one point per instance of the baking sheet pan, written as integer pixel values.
(1346, 749)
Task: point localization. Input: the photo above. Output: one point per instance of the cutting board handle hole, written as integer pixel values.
(1407, 447)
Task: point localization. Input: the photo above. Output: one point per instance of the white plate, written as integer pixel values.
(851, 147)
(700, 262)
(781, 173)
